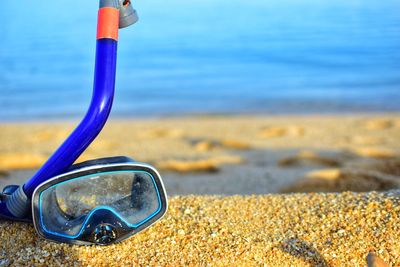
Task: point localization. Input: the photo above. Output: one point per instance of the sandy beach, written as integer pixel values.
(273, 230)
(231, 181)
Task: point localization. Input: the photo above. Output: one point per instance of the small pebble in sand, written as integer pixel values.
(374, 261)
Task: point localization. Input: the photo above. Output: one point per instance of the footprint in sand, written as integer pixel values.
(209, 145)
(276, 131)
(188, 166)
(308, 158)
(391, 166)
(387, 166)
(375, 152)
(205, 145)
(202, 165)
(339, 180)
(235, 144)
(379, 124)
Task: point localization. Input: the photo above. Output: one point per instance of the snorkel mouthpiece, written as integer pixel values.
(127, 15)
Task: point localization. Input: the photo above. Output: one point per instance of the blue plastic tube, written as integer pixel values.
(92, 123)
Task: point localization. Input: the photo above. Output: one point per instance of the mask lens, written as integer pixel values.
(65, 209)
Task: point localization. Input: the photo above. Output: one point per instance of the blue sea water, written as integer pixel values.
(204, 56)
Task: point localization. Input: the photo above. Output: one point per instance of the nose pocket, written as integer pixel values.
(105, 226)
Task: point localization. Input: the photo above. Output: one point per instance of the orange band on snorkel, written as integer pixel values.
(108, 23)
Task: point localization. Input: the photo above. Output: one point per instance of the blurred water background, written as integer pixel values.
(204, 57)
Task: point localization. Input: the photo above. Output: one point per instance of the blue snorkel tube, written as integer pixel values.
(16, 201)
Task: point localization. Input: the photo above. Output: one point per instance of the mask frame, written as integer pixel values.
(93, 167)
